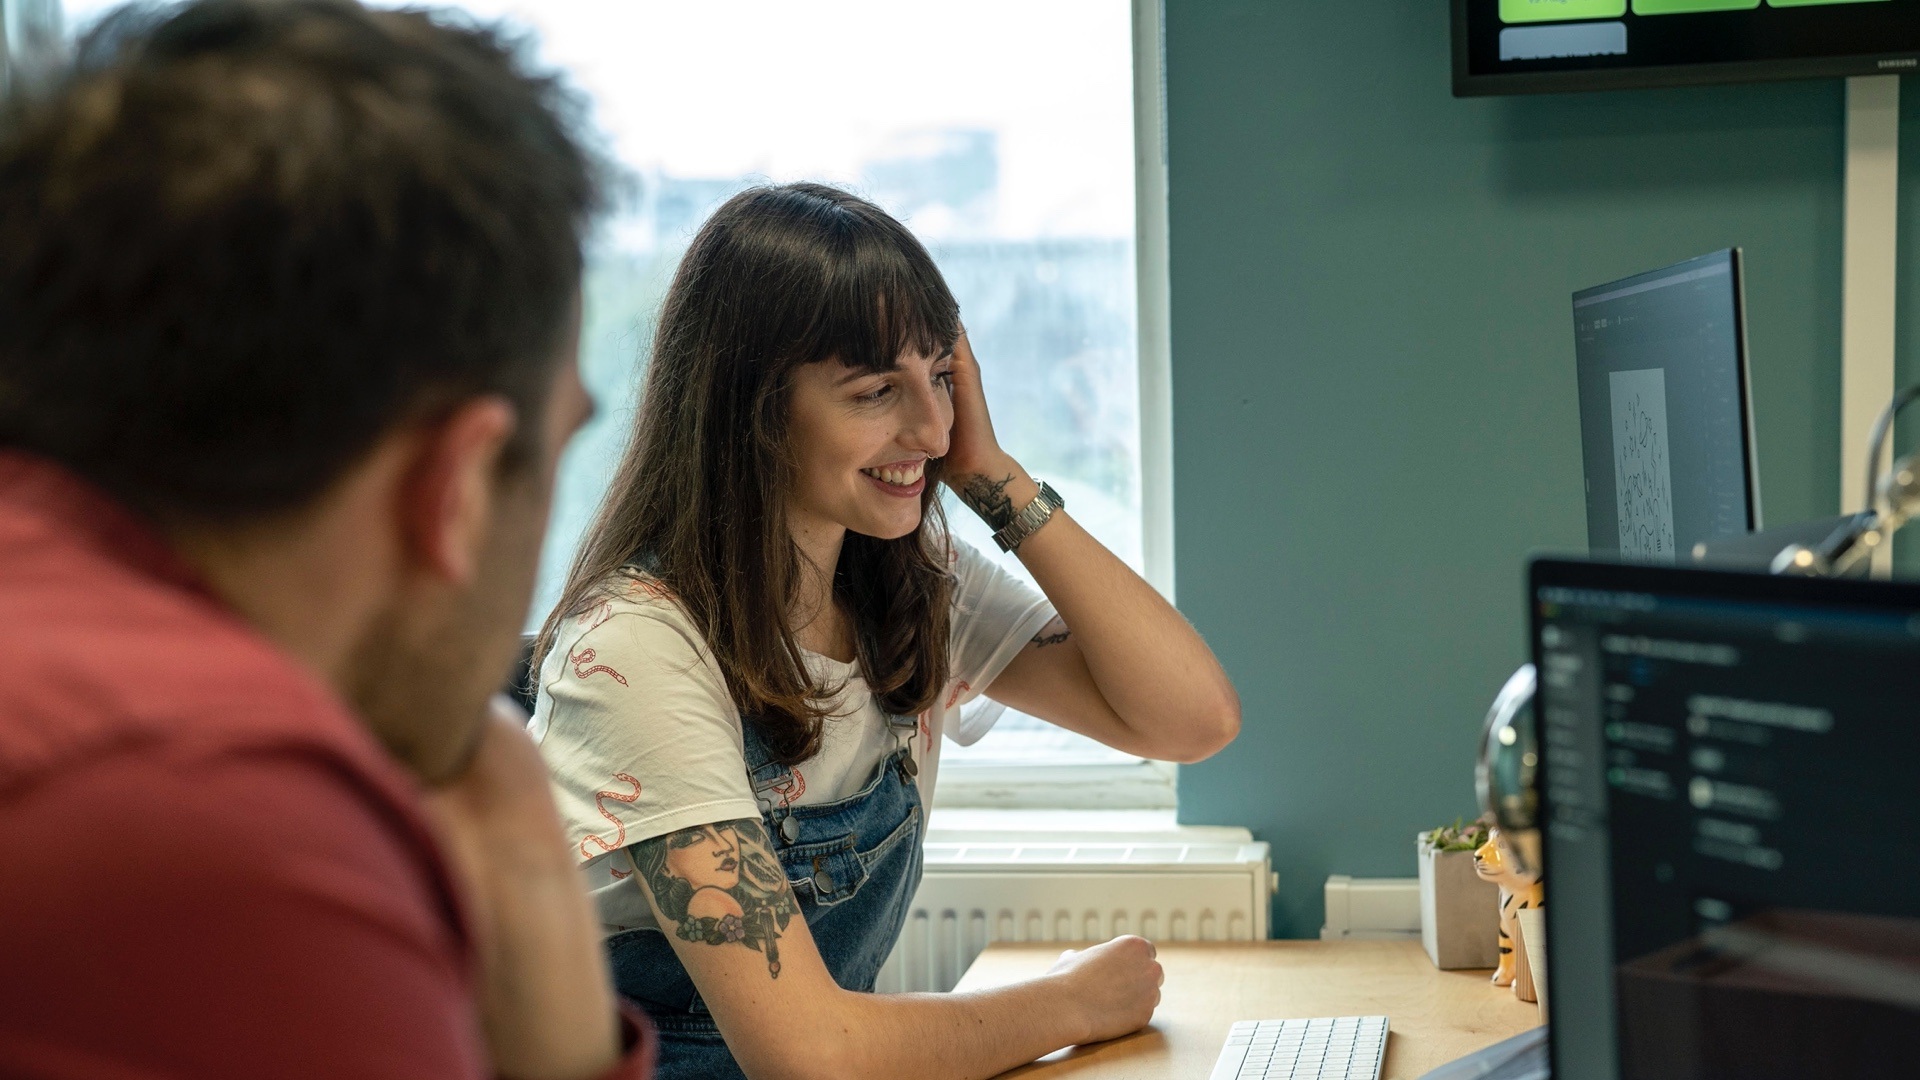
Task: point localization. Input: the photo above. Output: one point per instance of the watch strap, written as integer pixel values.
(1038, 511)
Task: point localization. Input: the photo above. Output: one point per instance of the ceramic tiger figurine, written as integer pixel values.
(1517, 890)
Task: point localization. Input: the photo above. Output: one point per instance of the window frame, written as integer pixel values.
(1145, 784)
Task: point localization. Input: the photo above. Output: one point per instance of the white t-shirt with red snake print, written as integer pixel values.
(642, 738)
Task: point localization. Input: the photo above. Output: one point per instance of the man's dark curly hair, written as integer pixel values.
(240, 240)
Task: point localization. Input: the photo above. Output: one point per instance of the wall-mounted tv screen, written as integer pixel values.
(1543, 46)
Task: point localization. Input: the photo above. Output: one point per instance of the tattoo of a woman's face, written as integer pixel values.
(988, 498)
(720, 884)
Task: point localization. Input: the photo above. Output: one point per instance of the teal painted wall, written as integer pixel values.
(1374, 403)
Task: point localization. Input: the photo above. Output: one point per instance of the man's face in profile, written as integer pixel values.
(423, 679)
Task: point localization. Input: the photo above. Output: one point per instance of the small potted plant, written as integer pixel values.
(1459, 912)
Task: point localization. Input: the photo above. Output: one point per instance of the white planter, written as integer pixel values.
(1533, 938)
(1459, 913)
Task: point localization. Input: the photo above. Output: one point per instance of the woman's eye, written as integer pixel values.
(876, 394)
(945, 379)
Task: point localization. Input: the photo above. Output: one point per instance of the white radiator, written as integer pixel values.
(974, 894)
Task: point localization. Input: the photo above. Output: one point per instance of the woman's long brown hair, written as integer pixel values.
(779, 277)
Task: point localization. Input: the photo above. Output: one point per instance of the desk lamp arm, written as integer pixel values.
(1506, 777)
(1857, 537)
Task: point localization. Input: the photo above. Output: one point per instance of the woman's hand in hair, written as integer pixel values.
(984, 476)
(1119, 665)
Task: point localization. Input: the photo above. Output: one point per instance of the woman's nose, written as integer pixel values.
(929, 422)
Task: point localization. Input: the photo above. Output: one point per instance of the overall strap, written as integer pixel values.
(771, 781)
(905, 730)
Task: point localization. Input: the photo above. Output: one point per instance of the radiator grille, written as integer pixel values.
(976, 894)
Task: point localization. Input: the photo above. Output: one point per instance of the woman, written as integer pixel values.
(768, 629)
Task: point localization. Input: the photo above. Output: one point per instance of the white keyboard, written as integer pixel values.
(1331, 1048)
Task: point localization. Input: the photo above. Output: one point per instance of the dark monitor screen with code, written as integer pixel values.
(1732, 822)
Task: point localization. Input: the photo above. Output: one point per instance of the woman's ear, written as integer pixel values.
(449, 502)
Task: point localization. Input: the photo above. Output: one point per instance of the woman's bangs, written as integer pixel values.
(886, 303)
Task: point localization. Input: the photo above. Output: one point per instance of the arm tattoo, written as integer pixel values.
(720, 884)
(1053, 633)
(988, 498)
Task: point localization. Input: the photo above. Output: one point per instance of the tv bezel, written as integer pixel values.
(1466, 84)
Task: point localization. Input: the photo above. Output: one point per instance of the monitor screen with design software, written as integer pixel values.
(1666, 429)
(1731, 822)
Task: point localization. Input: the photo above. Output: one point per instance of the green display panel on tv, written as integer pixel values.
(1526, 11)
(1687, 7)
(1536, 46)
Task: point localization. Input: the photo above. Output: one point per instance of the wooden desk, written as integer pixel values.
(1434, 1016)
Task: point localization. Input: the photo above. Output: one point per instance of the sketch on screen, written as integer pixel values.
(1642, 477)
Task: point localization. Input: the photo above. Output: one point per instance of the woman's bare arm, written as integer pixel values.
(1120, 664)
(784, 1018)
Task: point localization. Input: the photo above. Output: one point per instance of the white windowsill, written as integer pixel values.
(1138, 786)
(955, 825)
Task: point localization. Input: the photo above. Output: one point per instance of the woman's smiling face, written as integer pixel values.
(707, 857)
(861, 442)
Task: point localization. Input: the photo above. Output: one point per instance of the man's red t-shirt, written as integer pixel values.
(208, 866)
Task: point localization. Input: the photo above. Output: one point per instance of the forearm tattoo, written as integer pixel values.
(720, 884)
(988, 498)
(1053, 633)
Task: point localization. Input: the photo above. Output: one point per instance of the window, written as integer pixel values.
(1000, 131)
(29, 39)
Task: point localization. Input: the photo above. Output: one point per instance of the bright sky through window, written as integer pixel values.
(1000, 131)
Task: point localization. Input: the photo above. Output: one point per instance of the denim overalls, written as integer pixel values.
(853, 866)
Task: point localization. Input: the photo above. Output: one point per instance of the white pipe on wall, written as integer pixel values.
(1868, 294)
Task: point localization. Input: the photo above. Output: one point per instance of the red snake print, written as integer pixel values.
(584, 657)
(600, 615)
(959, 688)
(790, 790)
(650, 587)
(619, 830)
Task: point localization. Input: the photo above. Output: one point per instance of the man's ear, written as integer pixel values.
(448, 499)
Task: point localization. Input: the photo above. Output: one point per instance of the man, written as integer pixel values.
(288, 319)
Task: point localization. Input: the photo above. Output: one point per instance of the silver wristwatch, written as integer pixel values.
(1030, 518)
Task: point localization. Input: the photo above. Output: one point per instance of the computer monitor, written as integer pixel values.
(1731, 822)
(1666, 429)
